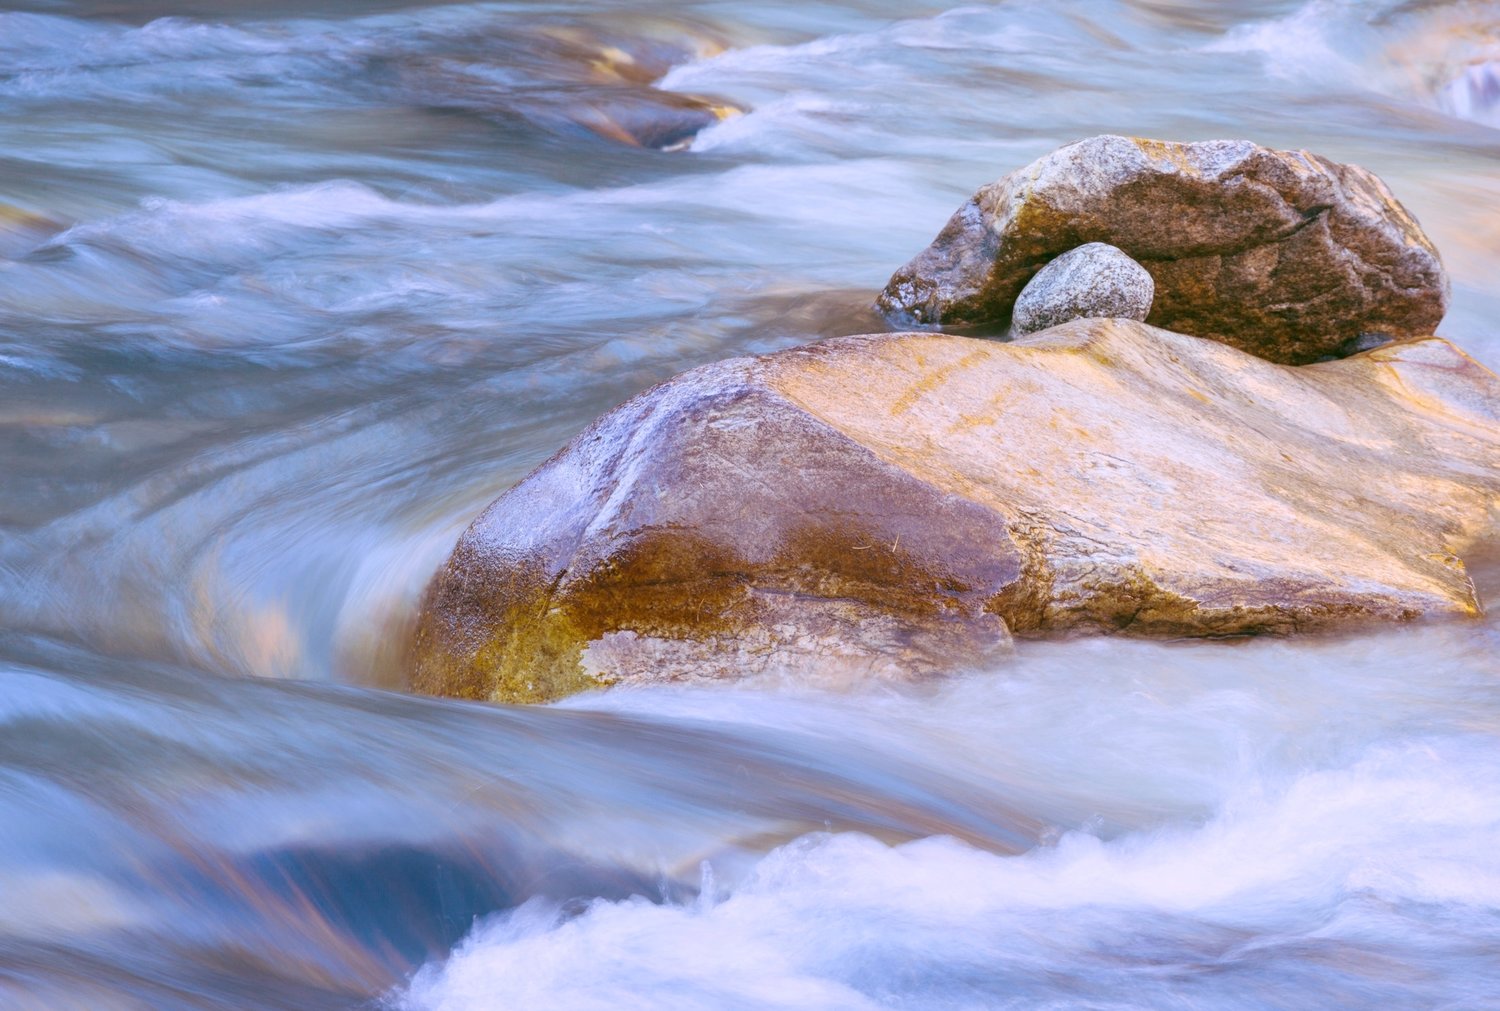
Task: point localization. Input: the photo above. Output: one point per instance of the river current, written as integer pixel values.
(289, 292)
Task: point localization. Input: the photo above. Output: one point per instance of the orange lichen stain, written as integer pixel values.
(1413, 398)
(987, 418)
(932, 380)
(1165, 151)
(1451, 561)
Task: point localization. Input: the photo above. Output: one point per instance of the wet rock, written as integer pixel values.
(644, 117)
(563, 79)
(895, 504)
(613, 69)
(636, 50)
(1280, 253)
(630, 114)
(1094, 281)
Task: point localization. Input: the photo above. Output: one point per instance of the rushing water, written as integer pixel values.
(288, 292)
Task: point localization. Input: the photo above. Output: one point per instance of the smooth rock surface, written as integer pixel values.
(890, 504)
(1094, 281)
(1283, 254)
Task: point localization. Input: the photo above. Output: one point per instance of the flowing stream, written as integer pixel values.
(290, 291)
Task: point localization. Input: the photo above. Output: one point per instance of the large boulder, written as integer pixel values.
(1283, 254)
(894, 504)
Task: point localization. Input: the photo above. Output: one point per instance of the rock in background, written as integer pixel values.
(889, 505)
(562, 79)
(1283, 254)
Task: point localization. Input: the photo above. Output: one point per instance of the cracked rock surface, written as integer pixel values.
(1283, 254)
(888, 505)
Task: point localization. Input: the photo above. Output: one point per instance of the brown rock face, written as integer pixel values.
(1282, 254)
(892, 504)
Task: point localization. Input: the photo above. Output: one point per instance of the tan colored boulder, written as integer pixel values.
(1283, 254)
(891, 504)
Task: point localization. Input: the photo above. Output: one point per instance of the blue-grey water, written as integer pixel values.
(288, 292)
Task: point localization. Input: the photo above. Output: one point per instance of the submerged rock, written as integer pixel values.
(646, 117)
(563, 79)
(894, 504)
(1283, 254)
(1094, 281)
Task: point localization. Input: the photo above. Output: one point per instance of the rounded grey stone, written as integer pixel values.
(1095, 280)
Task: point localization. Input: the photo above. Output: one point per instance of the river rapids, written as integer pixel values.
(290, 291)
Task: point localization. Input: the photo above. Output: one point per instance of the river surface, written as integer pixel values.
(290, 291)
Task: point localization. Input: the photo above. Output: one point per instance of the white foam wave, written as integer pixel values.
(1441, 57)
(1276, 807)
(52, 57)
(844, 921)
(342, 247)
(1474, 94)
(1313, 43)
(807, 193)
(962, 28)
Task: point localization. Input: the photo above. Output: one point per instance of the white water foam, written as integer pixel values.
(1442, 58)
(342, 249)
(1474, 94)
(1274, 824)
(1388, 869)
(1310, 44)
